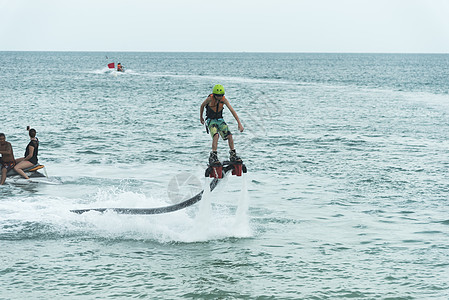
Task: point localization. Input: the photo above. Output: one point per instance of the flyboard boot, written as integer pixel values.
(233, 156)
(215, 168)
(213, 158)
(237, 164)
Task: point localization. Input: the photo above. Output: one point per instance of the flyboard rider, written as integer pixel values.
(215, 123)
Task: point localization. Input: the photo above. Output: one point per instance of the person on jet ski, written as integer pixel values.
(30, 158)
(215, 123)
(7, 160)
(120, 68)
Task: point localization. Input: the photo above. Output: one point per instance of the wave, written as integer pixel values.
(114, 72)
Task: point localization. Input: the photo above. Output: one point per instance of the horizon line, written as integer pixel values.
(249, 52)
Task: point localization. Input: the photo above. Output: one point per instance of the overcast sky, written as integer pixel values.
(405, 26)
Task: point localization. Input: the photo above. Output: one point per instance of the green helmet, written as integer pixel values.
(218, 90)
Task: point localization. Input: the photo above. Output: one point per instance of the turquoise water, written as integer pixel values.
(345, 197)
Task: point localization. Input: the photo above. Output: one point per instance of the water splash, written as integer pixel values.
(241, 225)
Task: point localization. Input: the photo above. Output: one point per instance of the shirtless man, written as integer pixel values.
(8, 162)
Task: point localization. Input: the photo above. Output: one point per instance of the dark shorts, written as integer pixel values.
(218, 126)
(8, 165)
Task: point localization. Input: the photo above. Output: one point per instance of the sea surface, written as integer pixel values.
(346, 195)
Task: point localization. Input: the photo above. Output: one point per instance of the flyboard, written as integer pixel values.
(216, 171)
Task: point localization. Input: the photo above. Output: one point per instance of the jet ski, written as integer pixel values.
(31, 172)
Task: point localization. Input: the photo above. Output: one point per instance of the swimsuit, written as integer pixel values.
(218, 126)
(8, 165)
(35, 144)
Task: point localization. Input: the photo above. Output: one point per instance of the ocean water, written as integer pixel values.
(346, 194)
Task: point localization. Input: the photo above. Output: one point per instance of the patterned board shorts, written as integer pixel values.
(8, 165)
(218, 126)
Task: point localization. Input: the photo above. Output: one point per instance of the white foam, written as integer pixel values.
(112, 72)
(104, 70)
(202, 222)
